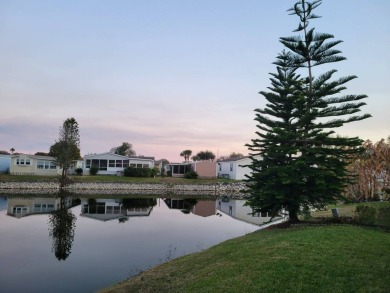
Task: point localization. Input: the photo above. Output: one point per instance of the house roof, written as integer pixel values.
(119, 156)
(141, 157)
(34, 157)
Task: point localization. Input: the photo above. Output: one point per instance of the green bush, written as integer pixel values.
(154, 172)
(79, 171)
(371, 215)
(93, 171)
(138, 172)
(191, 175)
(366, 215)
(383, 218)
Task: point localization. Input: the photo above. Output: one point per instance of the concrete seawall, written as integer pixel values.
(215, 189)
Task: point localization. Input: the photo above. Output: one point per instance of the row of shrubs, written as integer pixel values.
(377, 216)
(130, 172)
(142, 172)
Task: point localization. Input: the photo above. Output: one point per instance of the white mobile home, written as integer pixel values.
(111, 164)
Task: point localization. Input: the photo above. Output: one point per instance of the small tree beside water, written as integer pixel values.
(67, 149)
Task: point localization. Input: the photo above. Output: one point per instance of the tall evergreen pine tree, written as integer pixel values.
(303, 163)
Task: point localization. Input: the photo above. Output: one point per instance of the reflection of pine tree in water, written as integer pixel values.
(62, 225)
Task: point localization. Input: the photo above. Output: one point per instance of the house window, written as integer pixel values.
(180, 169)
(88, 164)
(20, 210)
(103, 165)
(231, 167)
(230, 210)
(20, 161)
(28, 162)
(125, 163)
(133, 165)
(46, 165)
(100, 164)
(111, 163)
(264, 214)
(119, 164)
(220, 167)
(40, 164)
(139, 165)
(145, 166)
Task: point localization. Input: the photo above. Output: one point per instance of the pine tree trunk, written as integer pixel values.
(293, 214)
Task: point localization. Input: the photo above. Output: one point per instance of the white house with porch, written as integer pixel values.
(113, 164)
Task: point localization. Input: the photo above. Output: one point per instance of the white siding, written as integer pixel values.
(234, 169)
(242, 171)
(5, 163)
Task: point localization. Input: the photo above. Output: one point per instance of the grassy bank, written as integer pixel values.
(111, 179)
(311, 259)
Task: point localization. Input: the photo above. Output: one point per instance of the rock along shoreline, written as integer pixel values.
(235, 189)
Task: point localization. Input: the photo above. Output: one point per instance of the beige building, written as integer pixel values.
(22, 164)
(205, 169)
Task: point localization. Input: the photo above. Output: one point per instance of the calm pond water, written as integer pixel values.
(73, 244)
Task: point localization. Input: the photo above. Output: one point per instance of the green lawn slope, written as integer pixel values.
(333, 259)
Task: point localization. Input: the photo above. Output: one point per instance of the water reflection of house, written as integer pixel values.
(203, 208)
(237, 210)
(22, 206)
(109, 209)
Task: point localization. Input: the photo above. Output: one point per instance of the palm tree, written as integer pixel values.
(186, 154)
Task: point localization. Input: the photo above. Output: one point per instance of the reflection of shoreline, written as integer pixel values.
(215, 188)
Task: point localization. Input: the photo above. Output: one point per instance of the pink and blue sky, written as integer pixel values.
(169, 75)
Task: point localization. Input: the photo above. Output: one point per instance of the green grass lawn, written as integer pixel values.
(305, 259)
(111, 179)
(347, 210)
